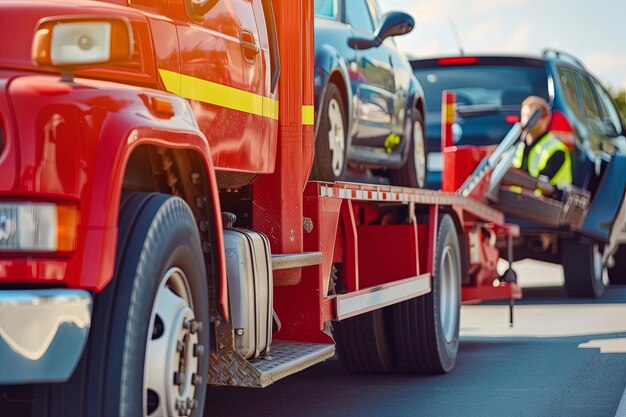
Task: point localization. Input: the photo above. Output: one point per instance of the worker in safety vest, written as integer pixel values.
(542, 154)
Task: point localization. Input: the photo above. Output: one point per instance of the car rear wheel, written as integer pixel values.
(331, 142)
(413, 172)
(583, 268)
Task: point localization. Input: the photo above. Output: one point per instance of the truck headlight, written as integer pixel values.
(82, 41)
(37, 227)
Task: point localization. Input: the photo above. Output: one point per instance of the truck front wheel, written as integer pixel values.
(148, 348)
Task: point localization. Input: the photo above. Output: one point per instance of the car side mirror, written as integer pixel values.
(196, 9)
(392, 24)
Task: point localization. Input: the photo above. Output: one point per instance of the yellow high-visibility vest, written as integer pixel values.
(539, 156)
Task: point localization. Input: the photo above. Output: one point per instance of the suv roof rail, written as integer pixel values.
(564, 56)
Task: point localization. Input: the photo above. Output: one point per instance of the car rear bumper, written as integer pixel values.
(42, 334)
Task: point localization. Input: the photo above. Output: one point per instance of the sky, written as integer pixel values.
(592, 30)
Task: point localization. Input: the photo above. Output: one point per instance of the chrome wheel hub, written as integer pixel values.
(336, 137)
(171, 369)
(419, 153)
(449, 293)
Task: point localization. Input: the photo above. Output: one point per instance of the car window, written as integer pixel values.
(567, 80)
(358, 15)
(607, 106)
(327, 8)
(592, 111)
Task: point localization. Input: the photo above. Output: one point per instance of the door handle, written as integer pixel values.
(248, 45)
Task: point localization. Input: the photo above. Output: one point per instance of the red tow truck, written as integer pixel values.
(158, 232)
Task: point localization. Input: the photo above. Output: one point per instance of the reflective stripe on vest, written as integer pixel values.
(539, 156)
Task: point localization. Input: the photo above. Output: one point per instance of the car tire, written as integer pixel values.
(427, 327)
(617, 273)
(331, 142)
(413, 172)
(148, 344)
(583, 269)
(365, 343)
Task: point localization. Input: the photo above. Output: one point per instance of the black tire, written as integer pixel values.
(365, 345)
(423, 347)
(583, 274)
(323, 162)
(156, 234)
(408, 175)
(617, 274)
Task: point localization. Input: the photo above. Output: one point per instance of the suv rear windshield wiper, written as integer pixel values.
(483, 109)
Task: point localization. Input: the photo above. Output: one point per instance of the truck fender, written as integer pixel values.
(135, 129)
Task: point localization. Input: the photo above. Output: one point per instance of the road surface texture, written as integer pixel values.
(562, 358)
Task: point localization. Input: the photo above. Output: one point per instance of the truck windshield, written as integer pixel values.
(483, 87)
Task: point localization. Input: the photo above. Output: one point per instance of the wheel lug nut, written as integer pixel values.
(196, 379)
(179, 377)
(195, 326)
(198, 350)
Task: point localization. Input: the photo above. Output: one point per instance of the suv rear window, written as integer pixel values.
(483, 85)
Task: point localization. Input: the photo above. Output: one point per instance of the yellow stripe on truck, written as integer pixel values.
(308, 115)
(221, 95)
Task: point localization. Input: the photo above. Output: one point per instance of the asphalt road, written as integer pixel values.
(562, 358)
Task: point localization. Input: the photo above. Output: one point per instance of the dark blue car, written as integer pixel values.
(369, 105)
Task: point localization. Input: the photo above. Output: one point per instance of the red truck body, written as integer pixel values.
(195, 112)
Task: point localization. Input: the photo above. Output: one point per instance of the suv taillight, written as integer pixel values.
(562, 129)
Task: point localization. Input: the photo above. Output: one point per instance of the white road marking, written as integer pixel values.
(621, 408)
(615, 345)
(560, 320)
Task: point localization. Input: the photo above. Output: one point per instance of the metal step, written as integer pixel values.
(296, 260)
(284, 359)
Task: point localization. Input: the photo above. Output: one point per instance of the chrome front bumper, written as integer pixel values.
(42, 334)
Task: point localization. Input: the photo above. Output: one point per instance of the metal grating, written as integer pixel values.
(284, 359)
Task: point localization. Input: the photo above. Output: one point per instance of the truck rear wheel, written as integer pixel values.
(617, 274)
(148, 348)
(427, 327)
(583, 269)
(365, 344)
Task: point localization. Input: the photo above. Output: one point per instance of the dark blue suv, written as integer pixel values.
(490, 90)
(370, 109)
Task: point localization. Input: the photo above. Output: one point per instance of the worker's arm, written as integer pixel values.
(554, 164)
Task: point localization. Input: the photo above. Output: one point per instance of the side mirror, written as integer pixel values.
(196, 9)
(392, 24)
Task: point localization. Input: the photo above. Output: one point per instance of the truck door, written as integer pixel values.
(222, 66)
